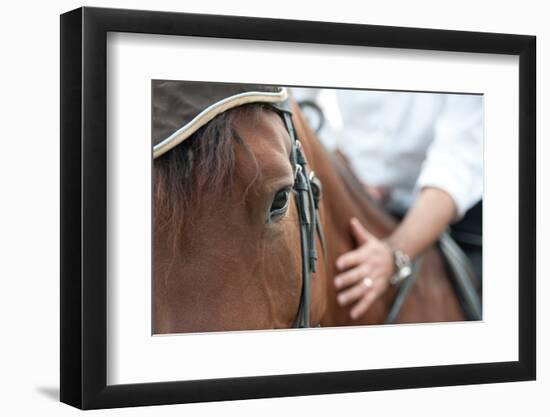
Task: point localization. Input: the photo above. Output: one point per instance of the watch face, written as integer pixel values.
(405, 271)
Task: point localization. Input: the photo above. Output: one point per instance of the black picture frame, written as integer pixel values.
(84, 207)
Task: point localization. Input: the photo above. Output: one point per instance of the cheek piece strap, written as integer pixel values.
(307, 190)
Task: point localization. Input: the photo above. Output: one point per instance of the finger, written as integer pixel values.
(359, 232)
(364, 303)
(352, 258)
(352, 276)
(352, 294)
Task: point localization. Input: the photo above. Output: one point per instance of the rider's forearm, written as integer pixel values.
(429, 216)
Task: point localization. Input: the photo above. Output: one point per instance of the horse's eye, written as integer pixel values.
(279, 206)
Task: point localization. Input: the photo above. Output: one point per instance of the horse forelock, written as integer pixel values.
(202, 166)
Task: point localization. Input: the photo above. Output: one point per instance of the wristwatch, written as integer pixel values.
(403, 267)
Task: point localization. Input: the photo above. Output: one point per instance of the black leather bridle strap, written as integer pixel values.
(307, 203)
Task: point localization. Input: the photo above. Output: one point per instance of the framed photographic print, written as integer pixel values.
(255, 208)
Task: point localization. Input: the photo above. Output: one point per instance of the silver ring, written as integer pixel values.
(368, 282)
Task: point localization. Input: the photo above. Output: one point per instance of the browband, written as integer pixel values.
(214, 110)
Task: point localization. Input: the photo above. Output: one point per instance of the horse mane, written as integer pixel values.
(203, 163)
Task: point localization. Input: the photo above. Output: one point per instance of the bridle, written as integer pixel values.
(307, 187)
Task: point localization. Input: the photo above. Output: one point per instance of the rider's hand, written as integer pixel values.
(365, 272)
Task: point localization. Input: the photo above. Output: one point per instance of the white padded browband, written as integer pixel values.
(214, 110)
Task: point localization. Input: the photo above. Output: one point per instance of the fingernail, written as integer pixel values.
(341, 299)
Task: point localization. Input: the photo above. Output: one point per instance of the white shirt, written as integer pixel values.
(406, 141)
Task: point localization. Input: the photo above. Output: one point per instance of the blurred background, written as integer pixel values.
(399, 142)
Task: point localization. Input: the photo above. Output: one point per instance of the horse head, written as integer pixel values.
(227, 238)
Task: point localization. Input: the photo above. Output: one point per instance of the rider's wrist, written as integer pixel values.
(402, 265)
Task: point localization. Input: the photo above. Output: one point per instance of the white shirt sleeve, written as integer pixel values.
(454, 160)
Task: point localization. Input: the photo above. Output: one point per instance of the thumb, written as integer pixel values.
(360, 234)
